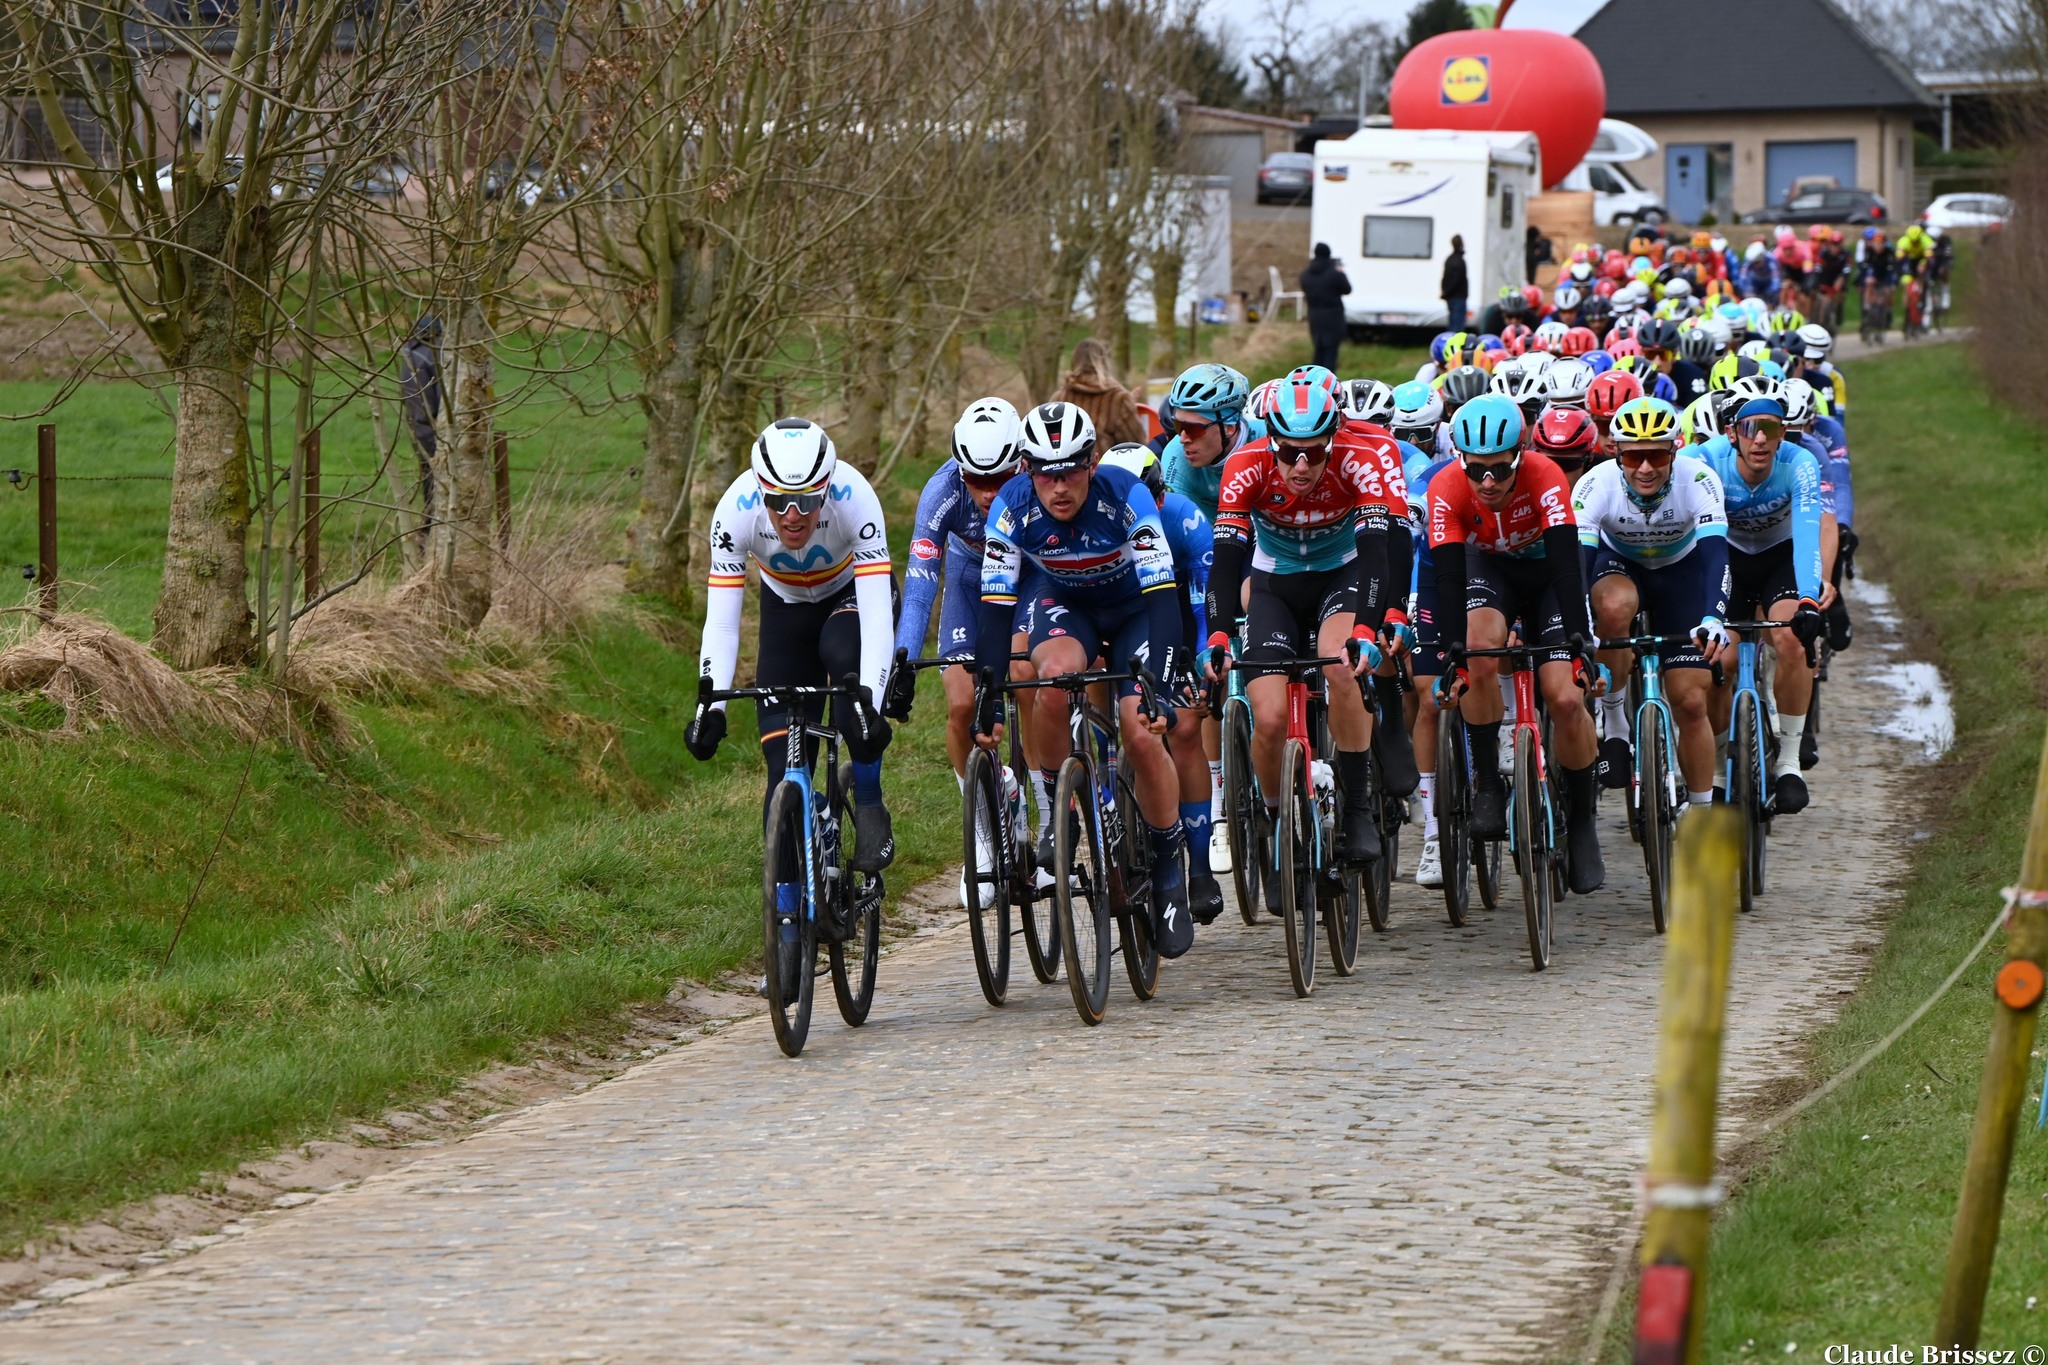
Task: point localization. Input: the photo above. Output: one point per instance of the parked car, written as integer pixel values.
(1967, 211)
(1825, 206)
(527, 185)
(1287, 177)
(1617, 198)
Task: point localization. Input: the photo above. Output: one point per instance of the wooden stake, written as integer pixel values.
(312, 514)
(2015, 1012)
(501, 482)
(1671, 1315)
(46, 515)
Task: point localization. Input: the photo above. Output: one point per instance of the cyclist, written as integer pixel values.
(1810, 362)
(1823, 438)
(1941, 266)
(1660, 341)
(1655, 529)
(1104, 589)
(1192, 543)
(1506, 551)
(815, 528)
(1876, 272)
(1772, 489)
(1913, 250)
(1316, 502)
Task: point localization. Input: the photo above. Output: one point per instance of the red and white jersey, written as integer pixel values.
(1542, 499)
(1295, 532)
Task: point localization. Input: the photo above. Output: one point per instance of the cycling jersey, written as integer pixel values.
(1688, 513)
(1193, 544)
(1875, 263)
(1785, 506)
(946, 535)
(1542, 500)
(1835, 467)
(848, 545)
(1200, 483)
(1534, 531)
(1914, 246)
(1298, 532)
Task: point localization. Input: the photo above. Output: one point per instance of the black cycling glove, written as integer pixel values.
(866, 733)
(707, 729)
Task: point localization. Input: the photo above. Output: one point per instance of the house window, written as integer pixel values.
(1407, 239)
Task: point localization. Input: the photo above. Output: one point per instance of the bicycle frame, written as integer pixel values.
(821, 832)
(1304, 701)
(1654, 706)
(1085, 721)
(1746, 648)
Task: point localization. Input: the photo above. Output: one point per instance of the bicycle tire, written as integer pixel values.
(988, 911)
(1140, 950)
(1531, 826)
(1041, 930)
(855, 958)
(1655, 807)
(1240, 795)
(1453, 815)
(790, 967)
(1746, 794)
(1080, 889)
(1297, 825)
(1342, 904)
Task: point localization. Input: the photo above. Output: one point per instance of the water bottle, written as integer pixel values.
(1013, 802)
(1324, 780)
(828, 832)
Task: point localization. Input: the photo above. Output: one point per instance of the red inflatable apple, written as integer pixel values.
(1520, 80)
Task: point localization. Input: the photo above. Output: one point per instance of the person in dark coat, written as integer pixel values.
(1456, 289)
(1536, 250)
(1323, 287)
(419, 388)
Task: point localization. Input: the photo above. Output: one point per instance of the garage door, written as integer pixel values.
(1787, 162)
(1237, 155)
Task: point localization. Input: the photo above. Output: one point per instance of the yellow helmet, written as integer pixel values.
(1645, 419)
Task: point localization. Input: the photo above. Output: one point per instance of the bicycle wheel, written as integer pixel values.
(1141, 952)
(1746, 760)
(855, 957)
(1453, 814)
(981, 872)
(1342, 898)
(790, 935)
(1373, 883)
(1486, 871)
(1080, 889)
(1531, 828)
(1240, 795)
(1656, 812)
(1295, 866)
(1041, 927)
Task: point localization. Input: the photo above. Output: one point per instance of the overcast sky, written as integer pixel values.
(1246, 16)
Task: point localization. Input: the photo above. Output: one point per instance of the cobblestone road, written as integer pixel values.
(1432, 1160)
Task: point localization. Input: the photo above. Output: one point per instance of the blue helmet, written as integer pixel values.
(1316, 375)
(1488, 425)
(1209, 390)
(1601, 361)
(1303, 411)
(1437, 344)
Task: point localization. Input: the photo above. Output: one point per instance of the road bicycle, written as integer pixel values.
(1243, 808)
(810, 892)
(1827, 305)
(1654, 802)
(1913, 321)
(1304, 839)
(1533, 798)
(1464, 859)
(1752, 748)
(999, 863)
(1099, 872)
(1877, 312)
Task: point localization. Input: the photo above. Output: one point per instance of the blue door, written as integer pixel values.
(1786, 163)
(1685, 181)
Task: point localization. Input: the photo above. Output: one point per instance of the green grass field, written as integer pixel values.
(1841, 1234)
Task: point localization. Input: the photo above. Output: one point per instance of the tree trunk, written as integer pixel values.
(671, 394)
(202, 613)
(461, 546)
(1166, 272)
(869, 395)
(1113, 306)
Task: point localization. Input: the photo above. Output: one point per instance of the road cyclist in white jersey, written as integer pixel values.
(814, 527)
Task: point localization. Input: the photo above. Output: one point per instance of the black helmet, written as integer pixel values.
(1462, 385)
(1658, 334)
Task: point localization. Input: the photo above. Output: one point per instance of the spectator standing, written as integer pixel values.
(1456, 288)
(419, 388)
(1323, 287)
(1536, 250)
(1092, 386)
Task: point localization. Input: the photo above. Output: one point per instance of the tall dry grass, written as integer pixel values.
(2011, 296)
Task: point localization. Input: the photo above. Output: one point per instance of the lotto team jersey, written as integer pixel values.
(1114, 549)
(1298, 532)
(848, 545)
(1689, 509)
(1542, 499)
(1786, 505)
(948, 526)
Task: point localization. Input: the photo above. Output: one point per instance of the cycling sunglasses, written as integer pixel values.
(1299, 455)
(778, 503)
(1192, 431)
(1636, 459)
(1491, 473)
(986, 483)
(1749, 428)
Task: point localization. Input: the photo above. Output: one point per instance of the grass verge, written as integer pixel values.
(1840, 1234)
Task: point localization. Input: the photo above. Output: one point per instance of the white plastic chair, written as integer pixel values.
(1275, 296)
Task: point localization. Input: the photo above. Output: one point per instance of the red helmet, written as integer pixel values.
(1514, 338)
(1605, 287)
(1609, 391)
(1534, 294)
(1623, 346)
(1578, 341)
(1568, 432)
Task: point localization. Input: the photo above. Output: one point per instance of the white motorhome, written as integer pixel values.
(1388, 201)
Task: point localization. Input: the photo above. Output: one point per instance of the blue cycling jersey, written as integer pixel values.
(1835, 468)
(948, 527)
(1785, 506)
(1203, 484)
(1193, 543)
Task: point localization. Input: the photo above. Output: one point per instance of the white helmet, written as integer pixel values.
(1757, 349)
(1536, 362)
(1517, 384)
(1702, 420)
(1565, 383)
(1724, 335)
(1816, 341)
(1139, 461)
(986, 437)
(1426, 411)
(1745, 388)
(1568, 298)
(1677, 287)
(1753, 252)
(1549, 334)
(1368, 400)
(1797, 395)
(1058, 437)
(794, 455)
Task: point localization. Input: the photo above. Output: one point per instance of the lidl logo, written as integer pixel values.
(1467, 80)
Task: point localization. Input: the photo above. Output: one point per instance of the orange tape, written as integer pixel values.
(2020, 984)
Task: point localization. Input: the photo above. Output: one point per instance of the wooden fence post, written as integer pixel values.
(1671, 1302)
(501, 482)
(311, 547)
(2003, 1089)
(46, 515)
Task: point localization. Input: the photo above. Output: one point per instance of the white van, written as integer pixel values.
(1618, 197)
(1388, 201)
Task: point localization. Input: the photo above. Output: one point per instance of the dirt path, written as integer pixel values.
(1432, 1160)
